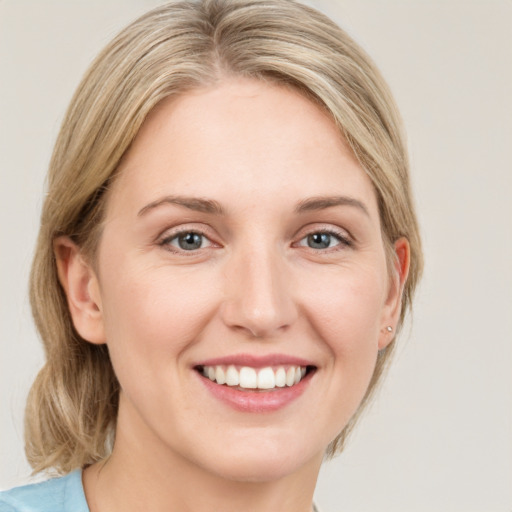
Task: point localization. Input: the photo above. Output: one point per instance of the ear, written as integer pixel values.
(82, 290)
(393, 305)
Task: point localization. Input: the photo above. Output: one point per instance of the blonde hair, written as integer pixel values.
(72, 407)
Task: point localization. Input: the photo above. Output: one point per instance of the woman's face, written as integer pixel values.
(241, 242)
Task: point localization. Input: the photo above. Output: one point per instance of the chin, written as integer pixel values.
(264, 462)
(259, 471)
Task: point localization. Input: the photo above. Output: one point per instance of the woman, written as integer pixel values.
(228, 248)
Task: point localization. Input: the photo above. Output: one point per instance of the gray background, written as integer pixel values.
(439, 436)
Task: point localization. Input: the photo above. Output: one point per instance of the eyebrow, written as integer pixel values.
(192, 203)
(321, 203)
(211, 206)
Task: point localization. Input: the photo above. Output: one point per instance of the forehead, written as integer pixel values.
(242, 139)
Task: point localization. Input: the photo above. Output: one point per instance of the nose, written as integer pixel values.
(259, 296)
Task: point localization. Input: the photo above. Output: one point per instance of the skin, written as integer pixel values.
(254, 287)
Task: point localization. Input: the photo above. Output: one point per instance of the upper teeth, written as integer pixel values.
(252, 378)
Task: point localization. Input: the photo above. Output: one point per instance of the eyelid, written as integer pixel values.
(173, 232)
(345, 237)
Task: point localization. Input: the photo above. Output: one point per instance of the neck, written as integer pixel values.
(143, 476)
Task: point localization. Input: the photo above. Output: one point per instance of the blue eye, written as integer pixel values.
(320, 240)
(323, 240)
(187, 241)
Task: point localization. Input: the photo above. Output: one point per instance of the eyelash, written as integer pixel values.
(344, 240)
(165, 242)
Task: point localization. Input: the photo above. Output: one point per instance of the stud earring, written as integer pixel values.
(389, 328)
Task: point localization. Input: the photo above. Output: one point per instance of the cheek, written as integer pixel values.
(345, 311)
(152, 314)
(346, 307)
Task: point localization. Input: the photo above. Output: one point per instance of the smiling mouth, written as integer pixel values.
(255, 379)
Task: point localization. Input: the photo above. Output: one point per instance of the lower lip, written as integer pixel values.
(255, 400)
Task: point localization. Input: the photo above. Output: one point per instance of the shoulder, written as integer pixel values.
(64, 494)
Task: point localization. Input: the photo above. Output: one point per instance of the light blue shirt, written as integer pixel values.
(64, 494)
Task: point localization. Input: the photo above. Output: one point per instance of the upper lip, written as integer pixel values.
(255, 361)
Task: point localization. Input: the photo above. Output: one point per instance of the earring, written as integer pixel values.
(389, 328)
